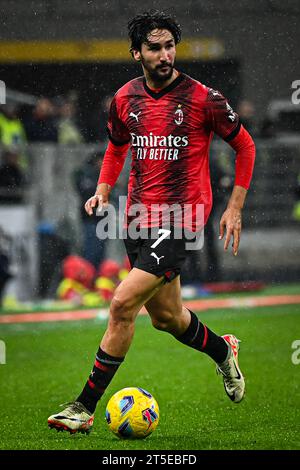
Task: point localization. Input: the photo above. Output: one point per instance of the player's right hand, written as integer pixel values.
(92, 202)
(99, 200)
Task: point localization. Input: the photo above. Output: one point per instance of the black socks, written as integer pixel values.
(199, 337)
(104, 369)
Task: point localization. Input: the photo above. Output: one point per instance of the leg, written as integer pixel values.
(168, 314)
(166, 310)
(128, 299)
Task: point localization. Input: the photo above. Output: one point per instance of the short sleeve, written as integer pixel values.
(117, 130)
(220, 117)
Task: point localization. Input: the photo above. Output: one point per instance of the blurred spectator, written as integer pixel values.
(12, 131)
(282, 119)
(246, 111)
(77, 284)
(296, 208)
(221, 182)
(5, 274)
(98, 121)
(12, 180)
(68, 132)
(108, 278)
(41, 126)
(83, 285)
(86, 178)
(53, 248)
(268, 128)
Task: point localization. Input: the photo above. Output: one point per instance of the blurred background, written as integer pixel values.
(61, 63)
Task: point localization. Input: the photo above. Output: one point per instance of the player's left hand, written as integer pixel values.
(231, 221)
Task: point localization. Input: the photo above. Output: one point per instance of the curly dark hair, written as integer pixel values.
(141, 25)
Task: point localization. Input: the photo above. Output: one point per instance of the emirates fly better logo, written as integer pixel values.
(158, 147)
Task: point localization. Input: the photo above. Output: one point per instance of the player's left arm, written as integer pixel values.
(226, 123)
(231, 219)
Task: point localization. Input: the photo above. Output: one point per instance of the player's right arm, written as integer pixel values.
(111, 168)
(114, 158)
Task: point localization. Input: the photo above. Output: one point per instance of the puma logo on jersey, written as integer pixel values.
(156, 257)
(135, 116)
(231, 114)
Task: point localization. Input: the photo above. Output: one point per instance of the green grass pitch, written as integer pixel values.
(47, 364)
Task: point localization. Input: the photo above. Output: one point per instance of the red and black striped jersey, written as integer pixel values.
(169, 132)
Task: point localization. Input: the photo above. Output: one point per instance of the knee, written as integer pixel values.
(121, 310)
(165, 322)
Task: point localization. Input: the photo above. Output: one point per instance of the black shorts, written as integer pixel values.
(157, 251)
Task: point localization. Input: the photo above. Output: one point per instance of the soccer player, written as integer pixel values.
(168, 119)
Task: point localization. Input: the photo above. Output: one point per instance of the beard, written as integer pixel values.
(157, 74)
